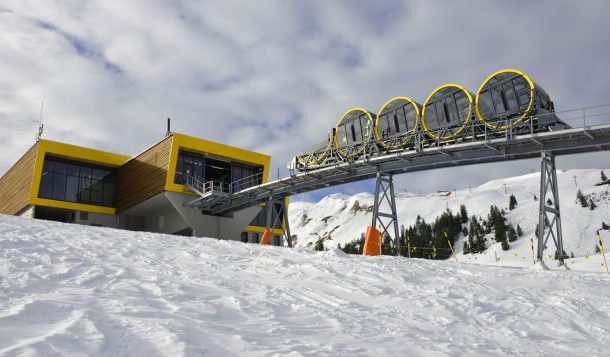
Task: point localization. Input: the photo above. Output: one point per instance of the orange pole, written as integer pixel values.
(266, 236)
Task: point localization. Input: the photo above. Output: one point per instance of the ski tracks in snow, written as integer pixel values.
(74, 290)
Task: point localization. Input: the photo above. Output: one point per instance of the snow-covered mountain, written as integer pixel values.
(338, 218)
(71, 290)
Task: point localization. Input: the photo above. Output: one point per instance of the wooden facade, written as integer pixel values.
(16, 184)
(143, 176)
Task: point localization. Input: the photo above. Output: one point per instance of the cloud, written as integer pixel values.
(275, 76)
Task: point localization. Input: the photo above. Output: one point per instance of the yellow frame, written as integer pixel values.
(205, 147)
(529, 105)
(371, 125)
(461, 129)
(376, 131)
(76, 153)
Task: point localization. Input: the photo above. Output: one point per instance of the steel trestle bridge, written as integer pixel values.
(483, 146)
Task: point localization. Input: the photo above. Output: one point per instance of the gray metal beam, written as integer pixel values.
(527, 146)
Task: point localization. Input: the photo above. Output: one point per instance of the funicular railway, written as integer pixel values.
(510, 118)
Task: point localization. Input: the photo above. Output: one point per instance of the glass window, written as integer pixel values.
(431, 117)
(71, 181)
(59, 185)
(46, 185)
(72, 189)
(209, 169)
(61, 167)
(73, 170)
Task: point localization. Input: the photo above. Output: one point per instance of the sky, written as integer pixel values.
(275, 76)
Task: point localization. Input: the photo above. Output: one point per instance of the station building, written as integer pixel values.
(147, 192)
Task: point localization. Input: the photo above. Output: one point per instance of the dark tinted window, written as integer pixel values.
(209, 169)
(71, 181)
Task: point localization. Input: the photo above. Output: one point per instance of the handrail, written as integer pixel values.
(204, 187)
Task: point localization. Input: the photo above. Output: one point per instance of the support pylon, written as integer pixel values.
(277, 208)
(549, 215)
(384, 192)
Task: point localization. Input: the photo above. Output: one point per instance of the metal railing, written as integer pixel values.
(247, 182)
(217, 186)
(326, 154)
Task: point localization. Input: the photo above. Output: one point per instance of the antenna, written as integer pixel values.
(40, 125)
(169, 127)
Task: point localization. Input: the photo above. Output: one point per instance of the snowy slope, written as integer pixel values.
(76, 290)
(333, 217)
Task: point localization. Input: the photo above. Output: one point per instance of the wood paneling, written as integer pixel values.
(143, 176)
(16, 183)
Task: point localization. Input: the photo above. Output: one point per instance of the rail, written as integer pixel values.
(327, 154)
(585, 130)
(194, 183)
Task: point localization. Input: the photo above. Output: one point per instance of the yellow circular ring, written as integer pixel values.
(529, 105)
(423, 113)
(376, 131)
(336, 142)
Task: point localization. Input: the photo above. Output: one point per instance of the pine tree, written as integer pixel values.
(463, 214)
(592, 205)
(581, 198)
(505, 245)
(512, 202)
(519, 231)
(604, 178)
(466, 249)
(535, 198)
(512, 234)
(319, 245)
(465, 231)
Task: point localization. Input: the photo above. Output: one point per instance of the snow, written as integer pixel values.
(313, 221)
(77, 290)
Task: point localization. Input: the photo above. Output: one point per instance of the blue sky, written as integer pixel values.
(274, 76)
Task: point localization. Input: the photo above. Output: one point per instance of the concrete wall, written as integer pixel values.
(165, 220)
(211, 226)
(131, 222)
(96, 219)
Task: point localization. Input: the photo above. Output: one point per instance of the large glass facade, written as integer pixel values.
(209, 169)
(67, 180)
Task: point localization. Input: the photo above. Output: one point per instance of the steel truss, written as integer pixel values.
(277, 208)
(384, 193)
(549, 221)
(328, 155)
(518, 147)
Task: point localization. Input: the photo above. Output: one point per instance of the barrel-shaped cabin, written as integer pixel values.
(508, 98)
(353, 132)
(447, 112)
(397, 123)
